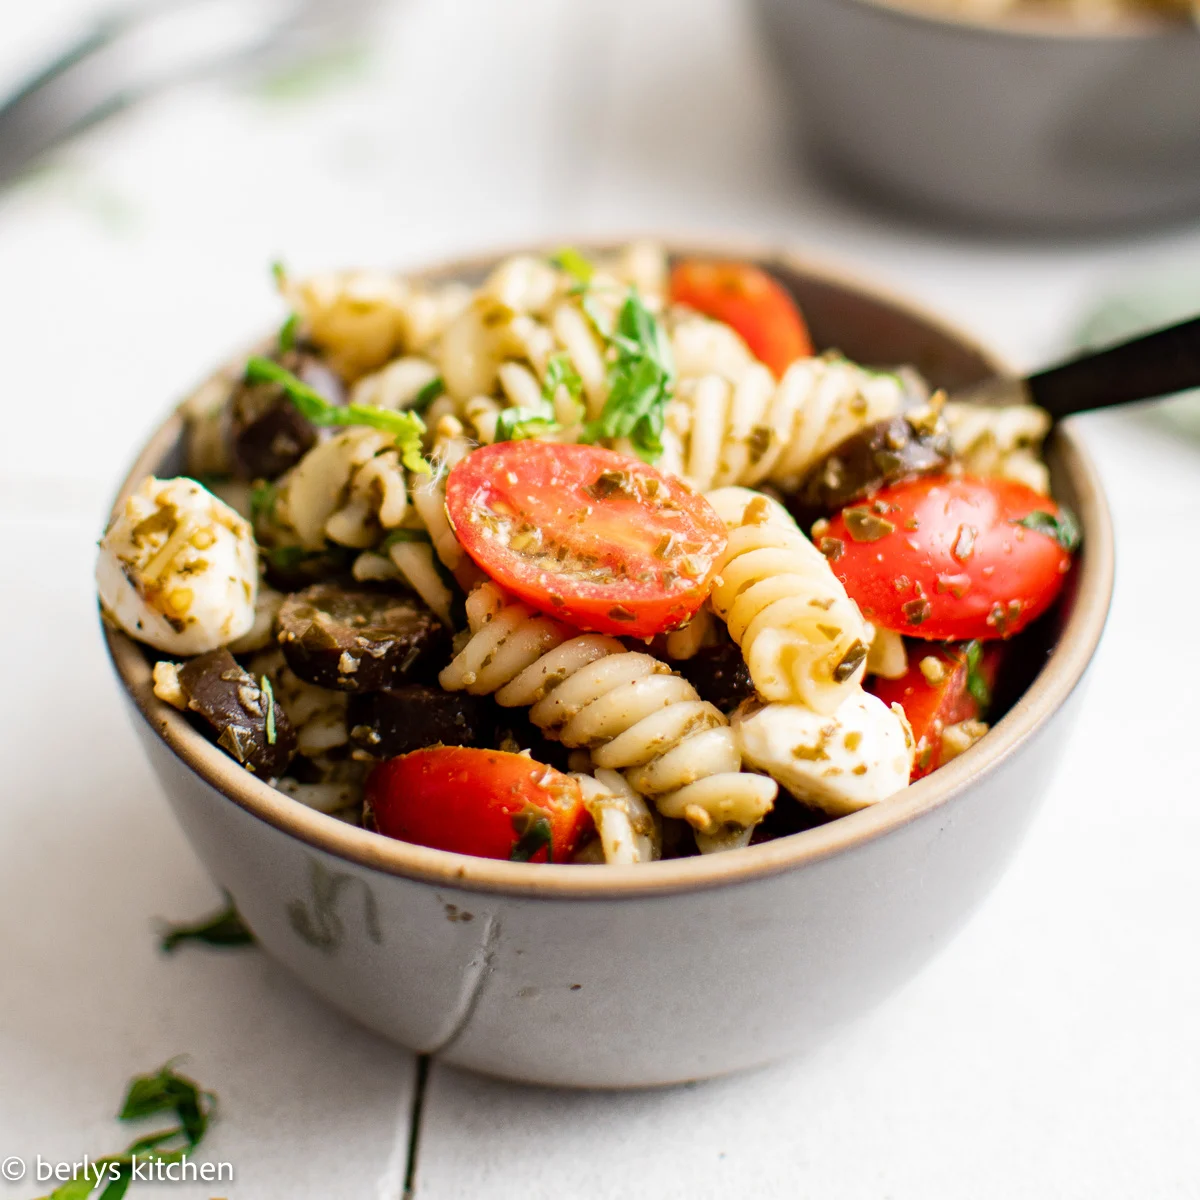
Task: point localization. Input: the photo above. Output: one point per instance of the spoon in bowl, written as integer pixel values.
(1155, 364)
(921, 441)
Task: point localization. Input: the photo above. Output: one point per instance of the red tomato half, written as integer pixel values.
(931, 703)
(749, 300)
(944, 558)
(482, 802)
(601, 541)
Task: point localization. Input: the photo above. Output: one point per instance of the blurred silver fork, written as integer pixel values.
(133, 52)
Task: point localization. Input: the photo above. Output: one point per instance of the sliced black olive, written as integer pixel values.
(245, 719)
(267, 432)
(359, 641)
(719, 674)
(401, 719)
(900, 447)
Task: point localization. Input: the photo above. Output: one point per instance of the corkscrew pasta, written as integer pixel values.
(629, 709)
(803, 638)
(739, 426)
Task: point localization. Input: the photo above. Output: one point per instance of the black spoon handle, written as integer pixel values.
(1157, 364)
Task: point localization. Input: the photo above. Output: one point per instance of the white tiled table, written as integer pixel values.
(1053, 1050)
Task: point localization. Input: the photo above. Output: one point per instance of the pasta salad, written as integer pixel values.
(601, 561)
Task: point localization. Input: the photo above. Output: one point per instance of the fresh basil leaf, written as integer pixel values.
(407, 427)
(536, 834)
(560, 372)
(193, 1116)
(79, 1188)
(164, 1090)
(640, 381)
(976, 684)
(148, 1146)
(287, 333)
(262, 500)
(575, 264)
(168, 1091)
(517, 424)
(224, 928)
(1064, 528)
(119, 1186)
(598, 320)
(150, 1094)
(427, 395)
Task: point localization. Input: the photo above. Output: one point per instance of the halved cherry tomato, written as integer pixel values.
(953, 687)
(947, 558)
(482, 802)
(749, 300)
(601, 541)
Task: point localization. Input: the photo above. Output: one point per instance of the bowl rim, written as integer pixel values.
(1141, 28)
(1054, 683)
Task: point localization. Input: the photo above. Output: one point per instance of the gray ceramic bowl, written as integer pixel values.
(1047, 125)
(609, 976)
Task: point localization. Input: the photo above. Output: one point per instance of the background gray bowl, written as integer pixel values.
(1053, 127)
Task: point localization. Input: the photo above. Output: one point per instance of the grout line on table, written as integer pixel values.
(414, 1127)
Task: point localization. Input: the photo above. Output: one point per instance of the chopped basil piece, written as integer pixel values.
(640, 379)
(427, 395)
(976, 684)
(224, 928)
(532, 836)
(560, 372)
(1064, 528)
(148, 1095)
(517, 424)
(407, 427)
(575, 264)
(287, 333)
(262, 500)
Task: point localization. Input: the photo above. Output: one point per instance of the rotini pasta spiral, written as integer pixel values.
(802, 637)
(362, 319)
(701, 346)
(1005, 441)
(628, 831)
(629, 709)
(497, 352)
(395, 386)
(749, 430)
(345, 490)
(422, 561)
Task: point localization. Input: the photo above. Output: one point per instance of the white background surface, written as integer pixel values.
(1053, 1050)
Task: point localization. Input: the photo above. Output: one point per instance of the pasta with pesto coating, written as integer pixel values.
(803, 639)
(743, 428)
(1005, 441)
(629, 709)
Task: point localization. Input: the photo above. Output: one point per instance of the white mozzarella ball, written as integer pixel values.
(178, 569)
(840, 762)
